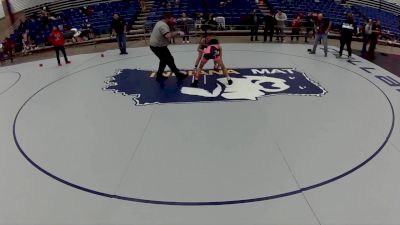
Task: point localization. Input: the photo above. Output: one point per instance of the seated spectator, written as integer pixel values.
(26, 42)
(198, 20)
(87, 31)
(220, 21)
(224, 3)
(210, 24)
(87, 10)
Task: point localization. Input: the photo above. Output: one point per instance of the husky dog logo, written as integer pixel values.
(248, 84)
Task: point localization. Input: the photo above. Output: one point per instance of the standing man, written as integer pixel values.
(346, 34)
(376, 32)
(366, 37)
(281, 19)
(184, 23)
(322, 27)
(120, 28)
(56, 38)
(253, 22)
(159, 40)
(269, 26)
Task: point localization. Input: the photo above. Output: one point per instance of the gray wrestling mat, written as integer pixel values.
(297, 139)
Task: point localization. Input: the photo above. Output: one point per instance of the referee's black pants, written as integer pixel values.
(345, 40)
(166, 58)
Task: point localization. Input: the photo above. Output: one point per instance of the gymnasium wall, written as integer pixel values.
(2, 13)
(19, 5)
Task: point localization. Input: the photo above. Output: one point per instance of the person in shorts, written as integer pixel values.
(213, 51)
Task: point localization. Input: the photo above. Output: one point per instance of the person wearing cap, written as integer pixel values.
(159, 41)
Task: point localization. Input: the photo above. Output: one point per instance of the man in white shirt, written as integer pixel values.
(366, 37)
(281, 19)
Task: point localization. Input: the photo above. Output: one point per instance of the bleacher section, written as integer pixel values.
(75, 18)
(61, 5)
(331, 9)
(337, 12)
(101, 19)
(232, 11)
(383, 5)
(390, 21)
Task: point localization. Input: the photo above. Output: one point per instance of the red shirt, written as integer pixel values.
(8, 45)
(296, 23)
(56, 38)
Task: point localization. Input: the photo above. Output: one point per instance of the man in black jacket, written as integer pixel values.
(120, 28)
(254, 22)
(269, 26)
(348, 29)
(309, 25)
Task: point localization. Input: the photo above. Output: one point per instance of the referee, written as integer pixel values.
(159, 41)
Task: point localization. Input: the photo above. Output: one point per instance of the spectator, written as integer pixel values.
(199, 20)
(366, 37)
(45, 14)
(224, 3)
(254, 22)
(87, 10)
(26, 43)
(349, 28)
(22, 26)
(376, 32)
(309, 25)
(142, 5)
(184, 24)
(120, 28)
(87, 30)
(8, 48)
(281, 19)
(296, 27)
(322, 27)
(210, 24)
(57, 40)
(269, 26)
(172, 27)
